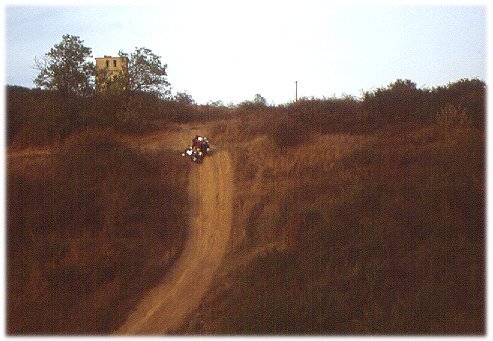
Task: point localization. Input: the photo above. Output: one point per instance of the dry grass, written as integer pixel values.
(90, 233)
(380, 233)
(342, 224)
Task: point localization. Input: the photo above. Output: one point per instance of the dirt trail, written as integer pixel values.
(163, 309)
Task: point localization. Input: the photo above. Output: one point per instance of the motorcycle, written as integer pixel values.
(197, 154)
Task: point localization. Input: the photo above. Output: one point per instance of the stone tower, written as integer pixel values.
(111, 73)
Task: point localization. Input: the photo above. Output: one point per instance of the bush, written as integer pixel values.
(465, 95)
(401, 101)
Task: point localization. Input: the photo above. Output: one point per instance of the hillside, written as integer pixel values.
(383, 234)
(323, 216)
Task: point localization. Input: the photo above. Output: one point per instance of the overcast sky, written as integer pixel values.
(231, 50)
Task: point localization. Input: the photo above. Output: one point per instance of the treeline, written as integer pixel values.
(399, 103)
(41, 117)
(403, 101)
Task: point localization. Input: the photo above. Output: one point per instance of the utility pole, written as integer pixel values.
(296, 91)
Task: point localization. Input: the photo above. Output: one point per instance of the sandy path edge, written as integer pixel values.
(164, 307)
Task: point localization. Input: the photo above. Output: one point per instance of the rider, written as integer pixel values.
(198, 142)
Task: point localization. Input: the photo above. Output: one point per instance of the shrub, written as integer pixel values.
(400, 101)
(467, 95)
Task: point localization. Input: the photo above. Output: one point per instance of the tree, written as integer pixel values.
(184, 98)
(146, 73)
(66, 68)
(260, 100)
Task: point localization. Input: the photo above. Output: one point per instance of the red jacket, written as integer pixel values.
(196, 144)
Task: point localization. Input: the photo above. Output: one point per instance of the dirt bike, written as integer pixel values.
(197, 154)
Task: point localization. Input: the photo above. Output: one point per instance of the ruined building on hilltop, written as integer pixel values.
(111, 73)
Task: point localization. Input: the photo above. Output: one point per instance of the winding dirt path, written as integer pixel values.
(163, 309)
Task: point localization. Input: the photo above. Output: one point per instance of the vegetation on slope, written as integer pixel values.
(378, 233)
(90, 229)
(353, 216)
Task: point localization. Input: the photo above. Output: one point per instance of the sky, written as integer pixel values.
(232, 50)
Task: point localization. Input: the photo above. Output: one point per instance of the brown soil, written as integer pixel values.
(165, 306)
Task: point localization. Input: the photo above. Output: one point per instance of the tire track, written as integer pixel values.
(163, 309)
